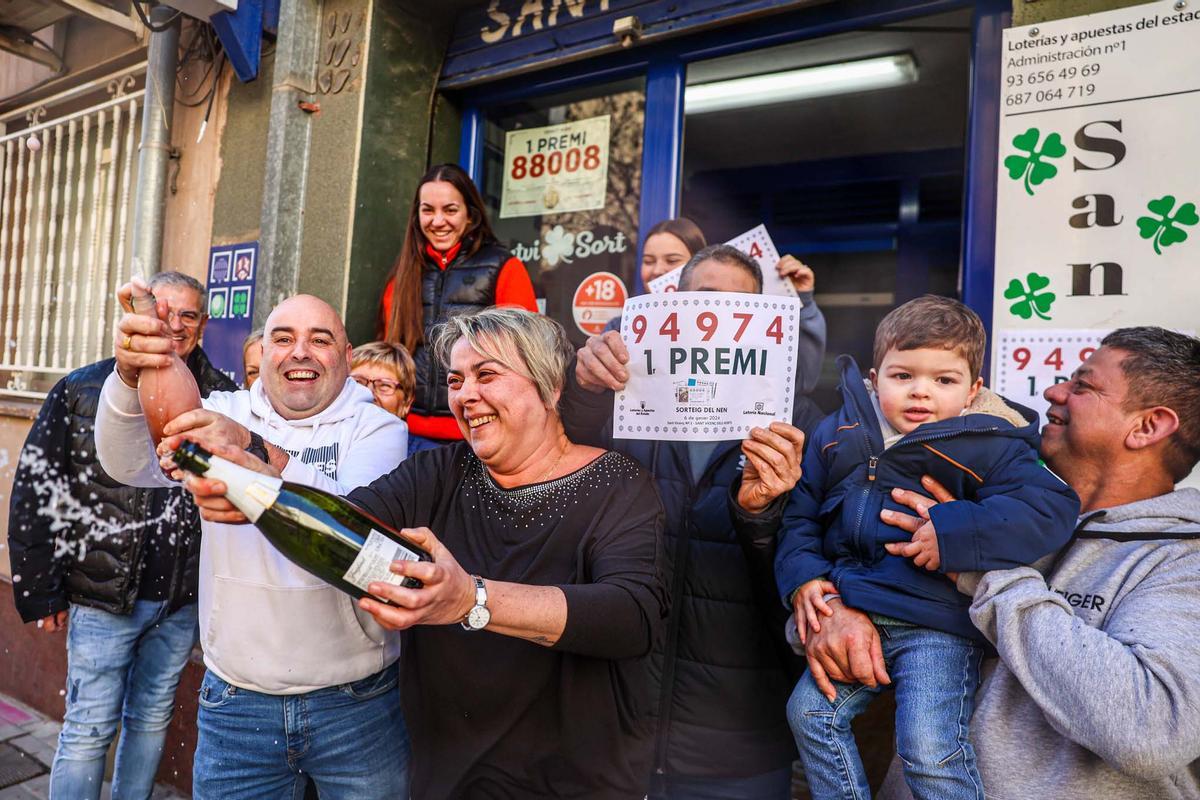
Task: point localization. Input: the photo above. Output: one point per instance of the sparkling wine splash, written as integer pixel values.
(66, 512)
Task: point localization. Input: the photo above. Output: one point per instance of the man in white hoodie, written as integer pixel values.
(299, 682)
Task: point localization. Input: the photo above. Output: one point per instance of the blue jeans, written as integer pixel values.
(350, 740)
(935, 675)
(119, 669)
(775, 785)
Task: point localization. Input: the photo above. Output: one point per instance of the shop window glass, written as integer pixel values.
(863, 184)
(562, 179)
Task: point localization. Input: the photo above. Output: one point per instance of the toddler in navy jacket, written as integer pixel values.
(923, 411)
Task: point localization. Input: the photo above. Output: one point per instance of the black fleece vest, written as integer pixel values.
(467, 284)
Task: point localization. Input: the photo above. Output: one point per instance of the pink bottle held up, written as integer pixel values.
(165, 392)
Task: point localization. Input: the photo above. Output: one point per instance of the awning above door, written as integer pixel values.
(508, 37)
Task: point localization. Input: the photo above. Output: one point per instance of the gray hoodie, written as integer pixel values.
(1097, 691)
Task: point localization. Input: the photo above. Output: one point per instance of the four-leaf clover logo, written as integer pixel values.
(1032, 300)
(1031, 166)
(1162, 229)
(559, 244)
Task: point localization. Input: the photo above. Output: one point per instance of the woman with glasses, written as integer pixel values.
(388, 371)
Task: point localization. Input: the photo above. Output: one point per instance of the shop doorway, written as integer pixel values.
(851, 149)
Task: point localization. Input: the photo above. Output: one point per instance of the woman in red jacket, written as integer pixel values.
(451, 263)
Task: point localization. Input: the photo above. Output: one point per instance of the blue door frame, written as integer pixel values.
(664, 67)
(977, 275)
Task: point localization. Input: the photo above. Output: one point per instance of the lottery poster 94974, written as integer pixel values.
(706, 366)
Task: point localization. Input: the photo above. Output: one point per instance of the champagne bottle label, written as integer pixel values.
(263, 496)
(371, 564)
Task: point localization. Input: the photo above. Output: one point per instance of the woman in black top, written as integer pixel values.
(544, 693)
(555, 706)
(566, 539)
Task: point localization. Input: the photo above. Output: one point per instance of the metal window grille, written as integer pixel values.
(65, 211)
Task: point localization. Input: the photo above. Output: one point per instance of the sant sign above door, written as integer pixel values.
(497, 38)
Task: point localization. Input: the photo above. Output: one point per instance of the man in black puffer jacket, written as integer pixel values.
(123, 560)
(723, 669)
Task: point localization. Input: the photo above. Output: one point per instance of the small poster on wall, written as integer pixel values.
(598, 299)
(232, 270)
(556, 169)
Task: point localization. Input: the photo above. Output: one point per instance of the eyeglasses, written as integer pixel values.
(381, 386)
(188, 319)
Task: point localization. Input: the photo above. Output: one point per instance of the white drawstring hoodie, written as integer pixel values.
(265, 624)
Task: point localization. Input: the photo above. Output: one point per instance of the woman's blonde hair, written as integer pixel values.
(530, 344)
(254, 338)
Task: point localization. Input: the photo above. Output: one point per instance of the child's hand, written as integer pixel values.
(808, 601)
(923, 549)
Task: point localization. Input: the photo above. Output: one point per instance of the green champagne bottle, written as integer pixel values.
(317, 531)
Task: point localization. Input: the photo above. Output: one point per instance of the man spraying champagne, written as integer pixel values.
(298, 680)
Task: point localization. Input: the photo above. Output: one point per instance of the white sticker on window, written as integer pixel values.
(372, 562)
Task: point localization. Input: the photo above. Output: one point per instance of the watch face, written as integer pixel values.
(479, 617)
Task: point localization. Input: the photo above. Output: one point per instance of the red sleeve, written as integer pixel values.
(513, 287)
(444, 429)
(385, 308)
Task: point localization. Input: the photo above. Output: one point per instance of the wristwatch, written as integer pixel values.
(258, 448)
(479, 616)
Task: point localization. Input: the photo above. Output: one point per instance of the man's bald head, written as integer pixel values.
(306, 356)
(310, 308)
